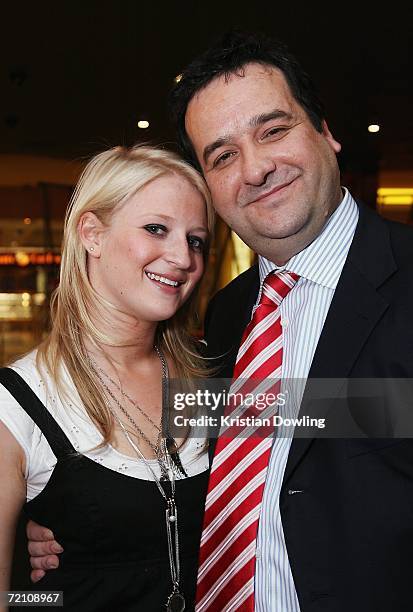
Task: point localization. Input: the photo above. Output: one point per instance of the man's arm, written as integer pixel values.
(43, 550)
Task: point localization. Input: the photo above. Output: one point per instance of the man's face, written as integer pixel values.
(274, 179)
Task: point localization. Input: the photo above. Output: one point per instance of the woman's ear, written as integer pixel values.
(90, 230)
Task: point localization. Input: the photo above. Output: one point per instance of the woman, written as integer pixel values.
(91, 459)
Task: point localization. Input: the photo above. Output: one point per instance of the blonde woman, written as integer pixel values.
(82, 442)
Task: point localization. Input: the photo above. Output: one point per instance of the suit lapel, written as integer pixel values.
(356, 308)
(238, 318)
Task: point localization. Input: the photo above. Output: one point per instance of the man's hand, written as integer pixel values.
(43, 550)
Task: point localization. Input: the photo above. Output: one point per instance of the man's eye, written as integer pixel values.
(223, 158)
(275, 131)
(155, 228)
(197, 244)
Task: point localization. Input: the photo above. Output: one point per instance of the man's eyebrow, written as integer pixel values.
(255, 121)
(264, 117)
(219, 142)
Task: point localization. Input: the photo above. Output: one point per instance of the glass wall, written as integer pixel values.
(27, 279)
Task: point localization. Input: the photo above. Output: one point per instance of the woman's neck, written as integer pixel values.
(129, 341)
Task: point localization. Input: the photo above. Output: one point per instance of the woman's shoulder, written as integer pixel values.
(26, 366)
(12, 414)
(35, 374)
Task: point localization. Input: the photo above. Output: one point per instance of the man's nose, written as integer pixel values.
(257, 164)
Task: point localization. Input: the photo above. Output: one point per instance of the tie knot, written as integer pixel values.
(276, 286)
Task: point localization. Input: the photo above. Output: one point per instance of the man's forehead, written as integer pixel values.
(257, 86)
(255, 91)
(250, 70)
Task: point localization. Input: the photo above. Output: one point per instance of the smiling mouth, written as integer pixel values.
(163, 279)
(272, 191)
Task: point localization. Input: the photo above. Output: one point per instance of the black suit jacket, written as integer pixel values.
(349, 534)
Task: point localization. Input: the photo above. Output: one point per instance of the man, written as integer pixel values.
(335, 518)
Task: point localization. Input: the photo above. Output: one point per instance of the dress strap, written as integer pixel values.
(37, 411)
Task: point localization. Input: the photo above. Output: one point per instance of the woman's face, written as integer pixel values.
(151, 256)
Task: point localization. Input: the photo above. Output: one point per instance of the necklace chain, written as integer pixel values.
(176, 600)
(124, 394)
(155, 447)
(170, 442)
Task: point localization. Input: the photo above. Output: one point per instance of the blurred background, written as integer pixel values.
(77, 77)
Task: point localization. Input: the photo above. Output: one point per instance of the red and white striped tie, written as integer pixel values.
(236, 485)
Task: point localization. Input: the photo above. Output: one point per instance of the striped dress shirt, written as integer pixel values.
(303, 313)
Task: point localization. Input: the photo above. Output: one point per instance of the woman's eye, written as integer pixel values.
(155, 228)
(197, 244)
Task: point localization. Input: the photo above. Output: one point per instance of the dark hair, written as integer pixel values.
(228, 56)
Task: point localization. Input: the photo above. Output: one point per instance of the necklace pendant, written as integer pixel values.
(176, 601)
(172, 449)
(171, 445)
(164, 471)
(171, 513)
(164, 476)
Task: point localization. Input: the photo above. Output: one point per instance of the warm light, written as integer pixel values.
(39, 298)
(399, 200)
(397, 196)
(143, 124)
(7, 260)
(26, 300)
(373, 128)
(22, 258)
(27, 221)
(178, 78)
(385, 191)
(243, 256)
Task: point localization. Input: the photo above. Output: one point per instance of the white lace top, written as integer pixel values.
(83, 434)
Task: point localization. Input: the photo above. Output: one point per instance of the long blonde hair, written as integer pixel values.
(108, 180)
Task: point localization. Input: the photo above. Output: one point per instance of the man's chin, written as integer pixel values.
(273, 231)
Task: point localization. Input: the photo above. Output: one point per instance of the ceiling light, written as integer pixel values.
(373, 128)
(143, 124)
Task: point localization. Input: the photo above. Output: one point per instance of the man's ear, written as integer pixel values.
(334, 144)
(90, 230)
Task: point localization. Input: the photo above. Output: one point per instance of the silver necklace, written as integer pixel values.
(176, 600)
(171, 445)
(170, 442)
(155, 447)
(125, 395)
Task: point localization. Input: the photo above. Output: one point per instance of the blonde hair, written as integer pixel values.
(108, 180)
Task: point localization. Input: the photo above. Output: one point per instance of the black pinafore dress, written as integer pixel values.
(111, 526)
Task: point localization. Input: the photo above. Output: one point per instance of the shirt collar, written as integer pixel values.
(322, 261)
